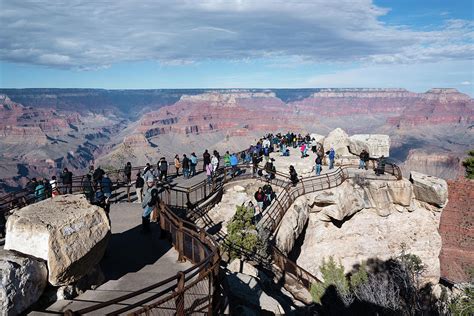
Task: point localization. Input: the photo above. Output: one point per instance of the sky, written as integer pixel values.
(152, 44)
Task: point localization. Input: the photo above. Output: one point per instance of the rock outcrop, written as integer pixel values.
(292, 225)
(376, 145)
(67, 232)
(457, 232)
(23, 280)
(363, 219)
(367, 235)
(429, 189)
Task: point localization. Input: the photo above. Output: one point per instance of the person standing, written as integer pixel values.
(54, 187)
(163, 168)
(66, 178)
(214, 163)
(87, 188)
(128, 172)
(106, 185)
(193, 163)
(361, 159)
(293, 175)
(206, 158)
(331, 156)
(227, 159)
(234, 161)
(40, 194)
(185, 166)
(149, 202)
(139, 184)
(259, 197)
(319, 162)
(209, 172)
(177, 164)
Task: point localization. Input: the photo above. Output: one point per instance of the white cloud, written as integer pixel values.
(94, 34)
(466, 83)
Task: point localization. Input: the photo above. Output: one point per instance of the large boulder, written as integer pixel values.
(338, 203)
(67, 231)
(23, 280)
(375, 144)
(292, 225)
(367, 235)
(429, 189)
(339, 140)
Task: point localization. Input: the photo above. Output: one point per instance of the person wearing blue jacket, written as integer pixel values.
(234, 161)
(331, 156)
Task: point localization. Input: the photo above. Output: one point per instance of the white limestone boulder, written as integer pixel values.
(292, 225)
(368, 235)
(375, 144)
(339, 140)
(68, 232)
(23, 280)
(429, 189)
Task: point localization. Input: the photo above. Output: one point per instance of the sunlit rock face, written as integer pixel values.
(67, 232)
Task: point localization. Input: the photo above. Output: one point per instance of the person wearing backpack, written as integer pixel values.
(318, 167)
(259, 197)
(163, 168)
(40, 193)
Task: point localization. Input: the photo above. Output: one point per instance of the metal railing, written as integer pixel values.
(193, 290)
(190, 291)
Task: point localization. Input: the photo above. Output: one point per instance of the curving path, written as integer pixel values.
(191, 199)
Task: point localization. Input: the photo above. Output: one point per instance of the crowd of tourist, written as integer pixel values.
(98, 187)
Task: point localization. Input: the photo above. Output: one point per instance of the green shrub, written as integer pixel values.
(333, 274)
(242, 237)
(468, 163)
(463, 304)
(360, 276)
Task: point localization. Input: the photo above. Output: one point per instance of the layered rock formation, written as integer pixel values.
(367, 218)
(67, 232)
(457, 232)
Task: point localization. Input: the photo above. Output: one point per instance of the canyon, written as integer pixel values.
(45, 130)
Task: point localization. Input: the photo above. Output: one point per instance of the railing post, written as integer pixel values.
(180, 298)
(329, 182)
(161, 216)
(128, 193)
(180, 242)
(202, 238)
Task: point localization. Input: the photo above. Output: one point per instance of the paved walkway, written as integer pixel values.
(133, 261)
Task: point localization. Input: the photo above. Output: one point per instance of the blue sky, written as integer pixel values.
(410, 44)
